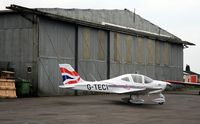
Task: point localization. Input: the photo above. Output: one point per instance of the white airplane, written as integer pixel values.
(134, 84)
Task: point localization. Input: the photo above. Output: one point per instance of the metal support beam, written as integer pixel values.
(76, 48)
(76, 52)
(108, 54)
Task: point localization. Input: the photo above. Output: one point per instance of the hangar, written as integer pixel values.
(98, 43)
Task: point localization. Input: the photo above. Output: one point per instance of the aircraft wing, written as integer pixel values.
(129, 91)
(148, 91)
(140, 91)
(184, 83)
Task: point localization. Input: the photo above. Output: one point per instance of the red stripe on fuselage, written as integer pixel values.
(64, 70)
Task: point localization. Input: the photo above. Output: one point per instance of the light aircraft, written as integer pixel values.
(135, 85)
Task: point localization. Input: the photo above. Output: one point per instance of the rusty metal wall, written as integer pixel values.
(122, 54)
(115, 52)
(155, 59)
(92, 47)
(140, 50)
(18, 46)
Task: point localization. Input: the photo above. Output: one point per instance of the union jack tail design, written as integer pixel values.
(69, 75)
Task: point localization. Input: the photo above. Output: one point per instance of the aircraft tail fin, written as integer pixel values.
(69, 75)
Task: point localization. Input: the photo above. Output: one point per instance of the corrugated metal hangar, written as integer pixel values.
(102, 43)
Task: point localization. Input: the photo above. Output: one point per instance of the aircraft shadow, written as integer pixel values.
(188, 94)
(68, 103)
(144, 105)
(107, 103)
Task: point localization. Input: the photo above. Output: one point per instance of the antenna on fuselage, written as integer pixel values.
(137, 72)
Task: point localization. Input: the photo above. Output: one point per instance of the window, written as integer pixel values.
(147, 80)
(137, 78)
(125, 79)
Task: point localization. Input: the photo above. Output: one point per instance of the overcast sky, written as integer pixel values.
(179, 17)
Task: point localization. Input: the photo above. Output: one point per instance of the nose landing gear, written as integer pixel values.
(160, 100)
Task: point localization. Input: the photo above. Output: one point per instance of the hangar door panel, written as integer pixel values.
(56, 45)
(92, 54)
(122, 54)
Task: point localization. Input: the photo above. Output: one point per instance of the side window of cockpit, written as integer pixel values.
(147, 80)
(126, 79)
(137, 78)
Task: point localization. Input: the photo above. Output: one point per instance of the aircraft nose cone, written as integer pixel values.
(162, 84)
(165, 85)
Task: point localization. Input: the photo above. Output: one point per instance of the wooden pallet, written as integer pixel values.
(7, 88)
(8, 93)
(7, 74)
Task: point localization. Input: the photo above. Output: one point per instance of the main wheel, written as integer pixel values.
(161, 103)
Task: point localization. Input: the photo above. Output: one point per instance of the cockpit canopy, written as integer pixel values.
(136, 78)
(147, 80)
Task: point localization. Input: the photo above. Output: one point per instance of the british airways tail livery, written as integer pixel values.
(135, 85)
(69, 75)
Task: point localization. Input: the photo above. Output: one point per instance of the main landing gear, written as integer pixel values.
(136, 99)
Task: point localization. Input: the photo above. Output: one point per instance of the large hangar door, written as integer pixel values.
(56, 45)
(92, 53)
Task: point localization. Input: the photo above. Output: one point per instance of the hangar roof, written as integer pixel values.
(123, 21)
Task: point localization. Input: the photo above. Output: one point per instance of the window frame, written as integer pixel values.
(141, 79)
(151, 80)
(126, 78)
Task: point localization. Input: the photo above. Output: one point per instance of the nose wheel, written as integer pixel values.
(160, 100)
(161, 103)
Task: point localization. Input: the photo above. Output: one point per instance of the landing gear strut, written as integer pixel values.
(136, 99)
(160, 100)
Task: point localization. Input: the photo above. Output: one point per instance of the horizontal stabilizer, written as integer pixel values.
(67, 86)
